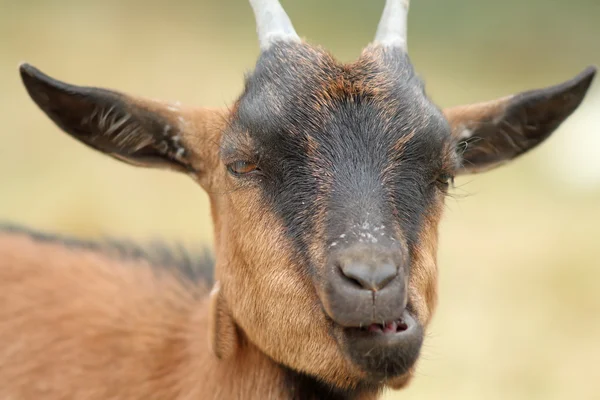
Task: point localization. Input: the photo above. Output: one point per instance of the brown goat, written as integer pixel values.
(327, 183)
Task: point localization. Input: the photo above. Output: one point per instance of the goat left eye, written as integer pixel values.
(241, 167)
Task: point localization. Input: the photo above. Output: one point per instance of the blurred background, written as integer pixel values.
(519, 311)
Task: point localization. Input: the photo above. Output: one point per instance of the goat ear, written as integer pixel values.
(139, 132)
(223, 335)
(493, 133)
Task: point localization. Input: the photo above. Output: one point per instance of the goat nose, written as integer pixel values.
(370, 277)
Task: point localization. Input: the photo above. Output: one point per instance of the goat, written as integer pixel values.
(327, 183)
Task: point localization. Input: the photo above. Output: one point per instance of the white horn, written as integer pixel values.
(272, 23)
(392, 28)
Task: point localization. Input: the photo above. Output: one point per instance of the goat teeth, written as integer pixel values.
(390, 327)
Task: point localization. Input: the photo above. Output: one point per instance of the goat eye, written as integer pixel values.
(444, 180)
(241, 167)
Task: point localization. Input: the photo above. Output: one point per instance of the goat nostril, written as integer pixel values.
(369, 277)
(353, 281)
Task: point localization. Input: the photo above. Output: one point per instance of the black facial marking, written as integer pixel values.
(341, 145)
(197, 267)
(304, 387)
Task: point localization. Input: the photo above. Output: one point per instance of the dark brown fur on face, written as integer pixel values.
(314, 159)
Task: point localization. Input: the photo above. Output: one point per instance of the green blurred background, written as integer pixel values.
(519, 312)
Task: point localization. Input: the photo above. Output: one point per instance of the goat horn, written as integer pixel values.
(391, 31)
(272, 23)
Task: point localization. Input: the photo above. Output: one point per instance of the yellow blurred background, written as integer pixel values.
(519, 311)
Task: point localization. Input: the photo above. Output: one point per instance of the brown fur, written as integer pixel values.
(224, 337)
(82, 325)
(303, 340)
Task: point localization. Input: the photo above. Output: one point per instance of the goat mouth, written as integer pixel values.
(387, 328)
(405, 326)
(383, 350)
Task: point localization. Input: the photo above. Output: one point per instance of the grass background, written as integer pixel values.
(519, 313)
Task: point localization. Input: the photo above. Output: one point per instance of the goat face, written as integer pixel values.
(327, 183)
(349, 166)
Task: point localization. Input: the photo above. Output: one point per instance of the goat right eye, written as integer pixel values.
(239, 168)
